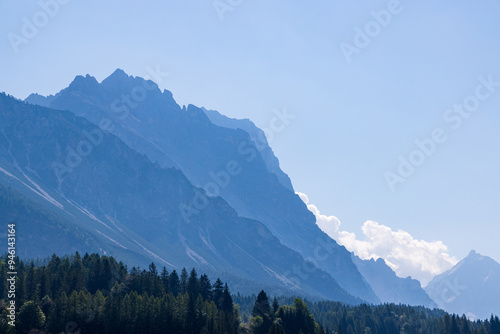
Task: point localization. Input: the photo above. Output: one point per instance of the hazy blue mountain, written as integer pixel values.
(40, 100)
(118, 201)
(389, 287)
(471, 287)
(37, 236)
(152, 123)
(259, 139)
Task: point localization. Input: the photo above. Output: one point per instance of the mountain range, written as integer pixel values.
(120, 168)
(185, 139)
(129, 206)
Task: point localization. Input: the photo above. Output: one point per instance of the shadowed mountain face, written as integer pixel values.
(391, 288)
(224, 159)
(471, 287)
(36, 237)
(110, 198)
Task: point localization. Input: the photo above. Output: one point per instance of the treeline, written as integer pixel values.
(336, 317)
(96, 294)
(390, 318)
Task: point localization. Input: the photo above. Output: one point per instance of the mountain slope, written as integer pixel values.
(133, 204)
(391, 288)
(471, 287)
(151, 122)
(43, 224)
(259, 139)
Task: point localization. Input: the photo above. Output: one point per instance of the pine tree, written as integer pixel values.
(155, 287)
(77, 275)
(210, 311)
(262, 309)
(276, 305)
(218, 293)
(153, 272)
(106, 277)
(304, 317)
(494, 325)
(205, 287)
(183, 281)
(174, 283)
(454, 326)
(192, 284)
(95, 274)
(191, 315)
(227, 300)
(21, 295)
(31, 285)
(44, 282)
(57, 318)
(30, 317)
(164, 277)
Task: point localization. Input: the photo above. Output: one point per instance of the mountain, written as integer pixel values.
(40, 100)
(222, 158)
(389, 287)
(110, 198)
(259, 139)
(471, 287)
(37, 237)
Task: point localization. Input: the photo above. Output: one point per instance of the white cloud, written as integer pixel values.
(406, 255)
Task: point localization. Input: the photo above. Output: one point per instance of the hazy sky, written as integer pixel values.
(363, 91)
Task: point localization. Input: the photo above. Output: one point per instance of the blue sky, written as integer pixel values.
(353, 119)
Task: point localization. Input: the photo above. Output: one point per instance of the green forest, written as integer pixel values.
(96, 294)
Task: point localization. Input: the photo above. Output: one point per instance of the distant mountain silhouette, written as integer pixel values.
(471, 287)
(389, 287)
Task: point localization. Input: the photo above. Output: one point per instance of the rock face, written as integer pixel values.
(222, 156)
(472, 287)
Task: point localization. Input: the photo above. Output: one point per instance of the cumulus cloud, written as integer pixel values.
(406, 255)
